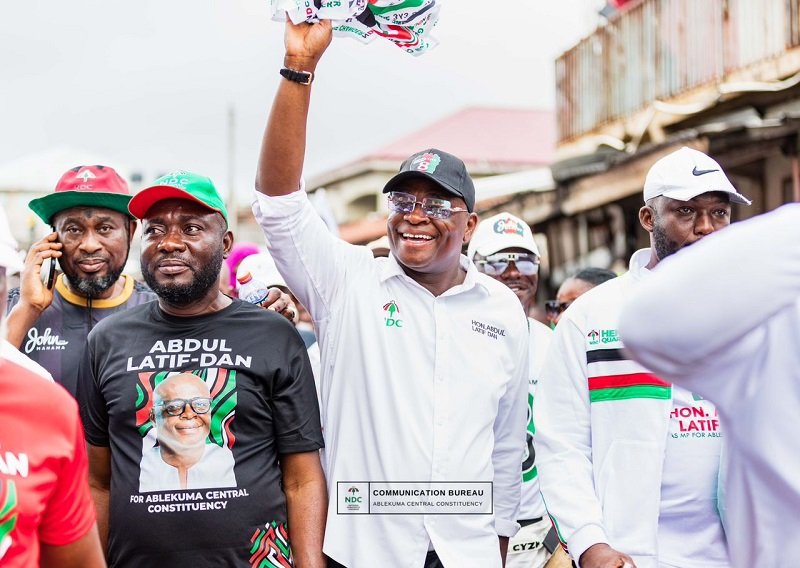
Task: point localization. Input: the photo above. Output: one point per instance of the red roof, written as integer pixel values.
(514, 138)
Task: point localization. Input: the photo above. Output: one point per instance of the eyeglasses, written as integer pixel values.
(432, 207)
(496, 264)
(176, 406)
(555, 307)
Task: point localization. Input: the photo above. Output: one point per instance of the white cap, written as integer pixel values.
(9, 255)
(687, 173)
(499, 232)
(262, 268)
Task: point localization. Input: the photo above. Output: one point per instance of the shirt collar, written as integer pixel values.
(72, 298)
(638, 263)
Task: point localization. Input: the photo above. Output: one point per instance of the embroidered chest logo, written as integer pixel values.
(390, 311)
(492, 331)
(603, 336)
(47, 341)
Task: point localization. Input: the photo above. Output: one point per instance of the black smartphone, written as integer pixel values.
(51, 277)
(48, 273)
(51, 272)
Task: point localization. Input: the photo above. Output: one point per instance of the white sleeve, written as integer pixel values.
(711, 300)
(509, 443)
(312, 260)
(563, 441)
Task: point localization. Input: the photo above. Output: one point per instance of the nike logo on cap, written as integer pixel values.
(696, 172)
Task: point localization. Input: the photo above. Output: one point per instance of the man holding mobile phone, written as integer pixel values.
(50, 316)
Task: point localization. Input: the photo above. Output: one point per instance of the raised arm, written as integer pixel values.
(283, 147)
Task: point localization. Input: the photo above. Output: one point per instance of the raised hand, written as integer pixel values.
(305, 44)
(33, 293)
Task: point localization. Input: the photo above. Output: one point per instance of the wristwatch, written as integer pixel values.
(302, 77)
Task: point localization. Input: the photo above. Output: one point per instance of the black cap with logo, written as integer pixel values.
(444, 169)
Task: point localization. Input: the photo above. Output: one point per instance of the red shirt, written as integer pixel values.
(44, 489)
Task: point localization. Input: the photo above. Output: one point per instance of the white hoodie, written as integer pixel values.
(729, 315)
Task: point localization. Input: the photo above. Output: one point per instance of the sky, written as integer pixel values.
(150, 83)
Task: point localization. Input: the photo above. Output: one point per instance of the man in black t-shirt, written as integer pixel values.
(197, 367)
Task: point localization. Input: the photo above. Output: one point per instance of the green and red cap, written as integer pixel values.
(84, 186)
(179, 185)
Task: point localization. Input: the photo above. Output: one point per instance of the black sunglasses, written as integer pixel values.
(555, 307)
(176, 406)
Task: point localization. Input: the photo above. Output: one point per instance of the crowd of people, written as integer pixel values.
(650, 425)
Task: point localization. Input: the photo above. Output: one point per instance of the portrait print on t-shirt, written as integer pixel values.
(184, 419)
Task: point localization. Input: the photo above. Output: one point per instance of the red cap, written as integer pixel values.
(88, 186)
(102, 179)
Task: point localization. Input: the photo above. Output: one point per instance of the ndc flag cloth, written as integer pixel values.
(406, 23)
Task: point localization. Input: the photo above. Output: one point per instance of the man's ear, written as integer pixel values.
(227, 244)
(647, 217)
(131, 230)
(472, 222)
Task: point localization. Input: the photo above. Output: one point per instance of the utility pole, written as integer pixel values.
(233, 219)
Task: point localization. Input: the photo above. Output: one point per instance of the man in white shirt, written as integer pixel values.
(631, 477)
(503, 247)
(730, 314)
(424, 359)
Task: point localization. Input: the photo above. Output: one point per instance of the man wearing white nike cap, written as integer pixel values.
(747, 360)
(632, 476)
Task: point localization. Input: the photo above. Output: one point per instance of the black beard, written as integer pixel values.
(94, 287)
(663, 245)
(182, 295)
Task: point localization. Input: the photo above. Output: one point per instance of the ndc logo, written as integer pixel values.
(391, 310)
(426, 162)
(352, 499)
(603, 336)
(86, 175)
